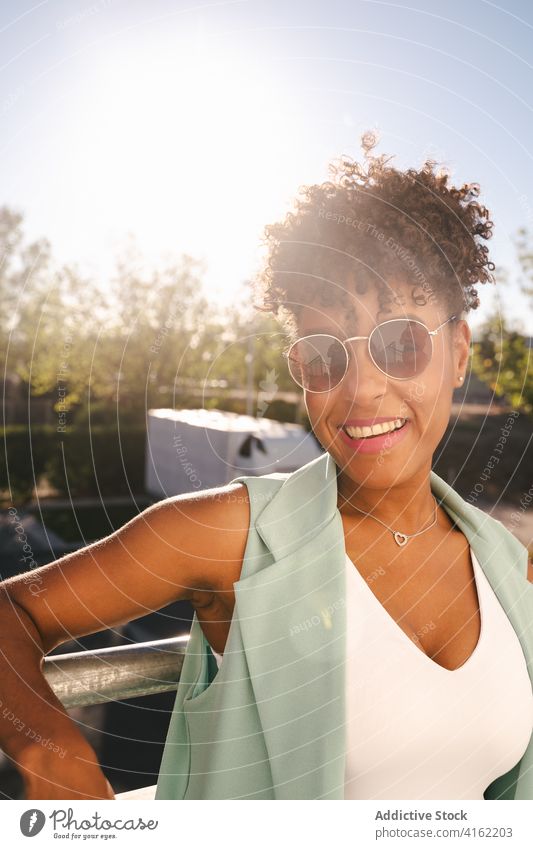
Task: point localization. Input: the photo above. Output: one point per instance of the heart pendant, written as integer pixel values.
(401, 539)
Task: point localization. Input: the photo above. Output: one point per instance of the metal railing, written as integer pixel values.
(120, 672)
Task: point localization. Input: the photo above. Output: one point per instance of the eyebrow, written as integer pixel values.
(328, 332)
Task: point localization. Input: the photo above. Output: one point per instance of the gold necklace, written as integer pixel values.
(399, 538)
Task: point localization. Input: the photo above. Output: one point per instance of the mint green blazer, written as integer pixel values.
(270, 723)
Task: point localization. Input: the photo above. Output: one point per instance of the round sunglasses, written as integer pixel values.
(401, 348)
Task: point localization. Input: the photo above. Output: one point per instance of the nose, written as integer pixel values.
(363, 381)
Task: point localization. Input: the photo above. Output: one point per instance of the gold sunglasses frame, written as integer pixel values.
(431, 334)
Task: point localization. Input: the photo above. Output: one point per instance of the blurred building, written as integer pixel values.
(190, 450)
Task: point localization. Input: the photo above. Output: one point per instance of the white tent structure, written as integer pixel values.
(189, 450)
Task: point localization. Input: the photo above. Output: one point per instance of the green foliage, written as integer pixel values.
(98, 461)
(102, 353)
(503, 361)
(23, 459)
(524, 249)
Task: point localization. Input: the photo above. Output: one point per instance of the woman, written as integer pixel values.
(371, 625)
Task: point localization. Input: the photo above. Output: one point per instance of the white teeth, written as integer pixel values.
(374, 430)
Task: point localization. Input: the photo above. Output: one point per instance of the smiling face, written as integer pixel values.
(366, 393)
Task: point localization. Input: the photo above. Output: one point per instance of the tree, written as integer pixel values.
(24, 281)
(524, 248)
(503, 360)
(148, 337)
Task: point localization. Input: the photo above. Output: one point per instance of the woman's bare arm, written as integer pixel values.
(54, 758)
(163, 554)
(159, 556)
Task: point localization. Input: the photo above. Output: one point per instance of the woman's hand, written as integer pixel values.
(77, 775)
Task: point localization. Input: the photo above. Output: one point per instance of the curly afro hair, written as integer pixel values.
(372, 224)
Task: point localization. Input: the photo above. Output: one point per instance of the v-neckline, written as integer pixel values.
(402, 634)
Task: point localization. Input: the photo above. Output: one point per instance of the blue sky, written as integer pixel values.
(191, 125)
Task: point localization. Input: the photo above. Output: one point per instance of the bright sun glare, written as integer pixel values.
(184, 148)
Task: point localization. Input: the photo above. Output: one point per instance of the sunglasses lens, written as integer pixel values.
(317, 363)
(401, 348)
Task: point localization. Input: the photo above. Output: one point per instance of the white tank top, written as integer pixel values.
(218, 657)
(416, 730)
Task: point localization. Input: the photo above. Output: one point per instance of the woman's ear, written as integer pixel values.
(462, 339)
